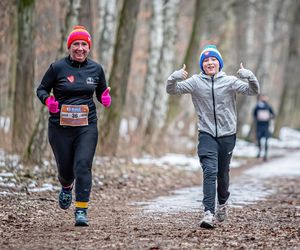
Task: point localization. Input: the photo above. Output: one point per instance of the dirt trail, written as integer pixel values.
(34, 221)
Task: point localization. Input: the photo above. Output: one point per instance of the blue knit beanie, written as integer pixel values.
(210, 51)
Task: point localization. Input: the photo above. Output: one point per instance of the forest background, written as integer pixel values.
(140, 43)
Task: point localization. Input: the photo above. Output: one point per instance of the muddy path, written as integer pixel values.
(32, 220)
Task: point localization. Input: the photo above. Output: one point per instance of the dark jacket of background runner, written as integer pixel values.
(263, 114)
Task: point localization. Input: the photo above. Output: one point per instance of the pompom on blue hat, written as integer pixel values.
(210, 51)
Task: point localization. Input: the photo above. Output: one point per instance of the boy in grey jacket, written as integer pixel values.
(214, 97)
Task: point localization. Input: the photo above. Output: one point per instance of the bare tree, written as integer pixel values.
(85, 15)
(192, 53)
(72, 19)
(271, 54)
(288, 114)
(23, 104)
(35, 149)
(156, 42)
(165, 66)
(8, 52)
(107, 31)
(109, 128)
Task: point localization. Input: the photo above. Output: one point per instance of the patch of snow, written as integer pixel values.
(5, 123)
(45, 187)
(178, 160)
(6, 174)
(247, 189)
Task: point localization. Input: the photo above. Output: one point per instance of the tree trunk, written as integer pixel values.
(109, 128)
(8, 59)
(35, 151)
(71, 20)
(23, 105)
(165, 67)
(85, 18)
(8, 54)
(271, 60)
(85, 15)
(288, 114)
(156, 42)
(107, 31)
(108, 13)
(36, 147)
(192, 54)
(244, 13)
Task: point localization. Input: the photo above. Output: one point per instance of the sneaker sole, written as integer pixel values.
(218, 220)
(207, 225)
(64, 208)
(81, 224)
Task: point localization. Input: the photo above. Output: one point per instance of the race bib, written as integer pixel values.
(74, 115)
(263, 115)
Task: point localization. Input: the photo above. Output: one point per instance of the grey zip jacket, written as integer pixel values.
(214, 98)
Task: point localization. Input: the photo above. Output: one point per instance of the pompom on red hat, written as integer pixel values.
(79, 33)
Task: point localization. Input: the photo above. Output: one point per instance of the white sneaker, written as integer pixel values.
(222, 212)
(208, 220)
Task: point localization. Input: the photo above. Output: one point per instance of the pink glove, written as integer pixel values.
(105, 98)
(52, 104)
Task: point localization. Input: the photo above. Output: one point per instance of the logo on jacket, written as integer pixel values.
(71, 78)
(90, 80)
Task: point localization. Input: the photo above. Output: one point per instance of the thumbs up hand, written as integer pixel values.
(184, 72)
(244, 73)
(52, 104)
(106, 98)
(181, 74)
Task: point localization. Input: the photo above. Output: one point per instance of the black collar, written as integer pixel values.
(76, 64)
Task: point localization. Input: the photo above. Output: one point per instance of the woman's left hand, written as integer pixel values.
(106, 98)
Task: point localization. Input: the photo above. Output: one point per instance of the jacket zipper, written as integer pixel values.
(214, 105)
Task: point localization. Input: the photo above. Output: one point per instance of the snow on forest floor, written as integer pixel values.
(247, 188)
(32, 220)
(9, 164)
(264, 205)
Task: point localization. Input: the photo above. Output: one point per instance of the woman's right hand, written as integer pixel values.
(52, 104)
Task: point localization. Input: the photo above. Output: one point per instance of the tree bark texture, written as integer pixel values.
(107, 30)
(288, 114)
(109, 129)
(165, 68)
(71, 19)
(24, 85)
(156, 42)
(85, 16)
(192, 54)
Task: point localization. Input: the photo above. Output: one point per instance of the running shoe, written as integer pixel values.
(65, 199)
(81, 217)
(222, 212)
(208, 220)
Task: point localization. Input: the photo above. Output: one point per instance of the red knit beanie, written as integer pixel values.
(79, 33)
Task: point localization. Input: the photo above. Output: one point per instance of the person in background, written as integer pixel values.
(72, 127)
(213, 94)
(263, 114)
